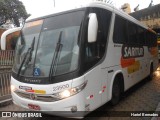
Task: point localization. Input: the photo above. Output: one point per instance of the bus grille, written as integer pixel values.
(37, 97)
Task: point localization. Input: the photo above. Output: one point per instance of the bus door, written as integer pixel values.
(94, 58)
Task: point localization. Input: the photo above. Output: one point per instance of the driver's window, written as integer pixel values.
(95, 51)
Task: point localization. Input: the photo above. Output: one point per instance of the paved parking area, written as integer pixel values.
(144, 96)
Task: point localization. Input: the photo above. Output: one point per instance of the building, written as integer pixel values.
(149, 16)
(126, 8)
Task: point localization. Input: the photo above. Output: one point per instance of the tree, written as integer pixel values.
(12, 10)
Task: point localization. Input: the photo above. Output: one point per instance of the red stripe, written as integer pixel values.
(29, 90)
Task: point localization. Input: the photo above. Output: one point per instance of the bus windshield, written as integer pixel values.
(55, 46)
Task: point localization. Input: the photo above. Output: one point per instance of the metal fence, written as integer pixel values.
(6, 63)
(5, 91)
(6, 58)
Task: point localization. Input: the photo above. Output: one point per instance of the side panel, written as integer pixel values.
(105, 85)
(107, 72)
(94, 60)
(93, 88)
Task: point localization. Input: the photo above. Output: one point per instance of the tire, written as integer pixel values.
(151, 73)
(116, 92)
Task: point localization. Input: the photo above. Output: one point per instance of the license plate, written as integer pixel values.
(34, 107)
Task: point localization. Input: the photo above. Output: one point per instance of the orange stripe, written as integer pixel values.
(154, 51)
(133, 68)
(127, 62)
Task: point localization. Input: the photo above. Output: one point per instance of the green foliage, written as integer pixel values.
(12, 10)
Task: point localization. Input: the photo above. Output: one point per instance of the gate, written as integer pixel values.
(6, 59)
(5, 91)
(6, 63)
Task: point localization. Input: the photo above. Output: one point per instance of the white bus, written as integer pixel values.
(80, 59)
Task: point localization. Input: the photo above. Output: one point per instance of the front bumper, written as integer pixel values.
(59, 108)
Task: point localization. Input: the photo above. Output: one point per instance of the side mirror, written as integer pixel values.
(5, 34)
(92, 28)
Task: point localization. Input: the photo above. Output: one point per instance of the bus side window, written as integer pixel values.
(151, 39)
(120, 30)
(95, 51)
(141, 35)
(132, 34)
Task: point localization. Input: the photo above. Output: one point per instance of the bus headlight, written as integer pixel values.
(13, 88)
(65, 93)
(70, 92)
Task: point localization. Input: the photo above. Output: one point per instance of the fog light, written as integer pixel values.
(74, 109)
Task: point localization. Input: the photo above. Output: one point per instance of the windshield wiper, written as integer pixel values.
(56, 56)
(25, 59)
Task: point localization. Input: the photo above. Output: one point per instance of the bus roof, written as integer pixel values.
(90, 4)
(95, 4)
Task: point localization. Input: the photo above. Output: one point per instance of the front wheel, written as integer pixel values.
(116, 92)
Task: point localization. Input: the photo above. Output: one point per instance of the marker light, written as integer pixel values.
(70, 92)
(13, 88)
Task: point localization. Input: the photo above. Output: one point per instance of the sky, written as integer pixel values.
(43, 7)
